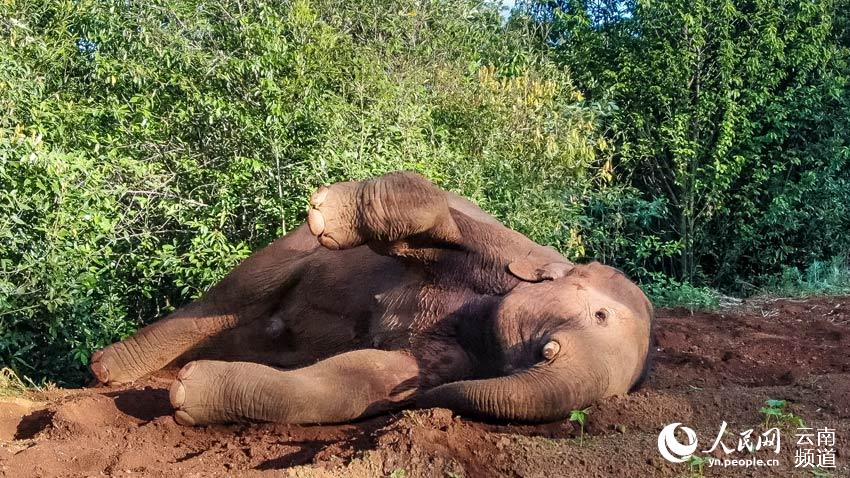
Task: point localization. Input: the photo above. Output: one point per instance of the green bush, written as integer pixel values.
(820, 277)
(667, 292)
(730, 117)
(147, 147)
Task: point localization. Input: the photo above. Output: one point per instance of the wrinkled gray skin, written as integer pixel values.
(410, 296)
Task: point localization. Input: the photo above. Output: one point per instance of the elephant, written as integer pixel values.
(396, 294)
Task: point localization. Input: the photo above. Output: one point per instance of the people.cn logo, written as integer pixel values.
(670, 447)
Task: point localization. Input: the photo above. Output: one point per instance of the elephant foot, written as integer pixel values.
(203, 393)
(108, 365)
(98, 368)
(333, 216)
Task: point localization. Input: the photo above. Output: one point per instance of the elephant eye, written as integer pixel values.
(551, 349)
(601, 316)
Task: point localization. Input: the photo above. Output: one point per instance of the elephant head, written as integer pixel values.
(565, 336)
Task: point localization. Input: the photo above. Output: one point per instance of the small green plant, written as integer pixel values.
(12, 384)
(819, 277)
(668, 292)
(398, 473)
(696, 466)
(819, 472)
(775, 410)
(580, 417)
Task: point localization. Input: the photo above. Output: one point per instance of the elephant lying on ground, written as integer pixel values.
(410, 296)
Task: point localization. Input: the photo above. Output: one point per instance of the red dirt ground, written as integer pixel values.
(710, 367)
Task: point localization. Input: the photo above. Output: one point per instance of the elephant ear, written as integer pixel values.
(537, 269)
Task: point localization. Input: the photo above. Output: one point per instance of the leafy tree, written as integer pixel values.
(731, 113)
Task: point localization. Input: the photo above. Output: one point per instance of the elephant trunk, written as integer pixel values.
(535, 395)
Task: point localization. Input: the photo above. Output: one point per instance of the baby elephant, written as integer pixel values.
(395, 294)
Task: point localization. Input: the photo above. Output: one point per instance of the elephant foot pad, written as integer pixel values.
(196, 391)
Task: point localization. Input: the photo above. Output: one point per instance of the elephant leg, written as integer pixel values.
(250, 292)
(297, 334)
(153, 347)
(345, 387)
(398, 214)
